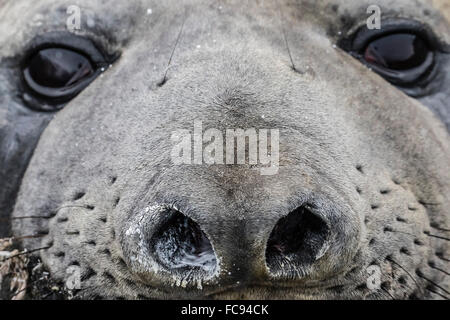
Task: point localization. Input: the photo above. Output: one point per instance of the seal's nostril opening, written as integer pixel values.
(180, 244)
(297, 240)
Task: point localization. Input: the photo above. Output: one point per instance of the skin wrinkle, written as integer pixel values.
(341, 126)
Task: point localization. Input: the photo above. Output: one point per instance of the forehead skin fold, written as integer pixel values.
(110, 23)
(121, 20)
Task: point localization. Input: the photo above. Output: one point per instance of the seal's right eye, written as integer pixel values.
(56, 75)
(52, 72)
(59, 65)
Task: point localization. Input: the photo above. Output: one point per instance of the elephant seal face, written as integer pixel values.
(352, 204)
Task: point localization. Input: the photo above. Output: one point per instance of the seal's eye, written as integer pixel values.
(404, 59)
(401, 51)
(404, 52)
(57, 66)
(51, 71)
(56, 75)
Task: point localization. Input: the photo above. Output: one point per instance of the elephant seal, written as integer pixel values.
(358, 207)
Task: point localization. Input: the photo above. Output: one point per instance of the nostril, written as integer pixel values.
(180, 245)
(297, 241)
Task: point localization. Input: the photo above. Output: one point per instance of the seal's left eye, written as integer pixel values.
(400, 51)
(403, 58)
(404, 52)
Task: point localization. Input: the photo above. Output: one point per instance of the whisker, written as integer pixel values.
(435, 292)
(440, 255)
(439, 269)
(86, 206)
(392, 277)
(385, 294)
(436, 236)
(385, 290)
(420, 274)
(27, 252)
(440, 228)
(173, 50)
(29, 236)
(402, 232)
(285, 38)
(424, 203)
(406, 271)
(31, 217)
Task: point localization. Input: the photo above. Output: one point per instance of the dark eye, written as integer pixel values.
(404, 59)
(55, 75)
(404, 52)
(400, 51)
(59, 65)
(55, 70)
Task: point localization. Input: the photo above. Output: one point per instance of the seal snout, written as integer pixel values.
(166, 245)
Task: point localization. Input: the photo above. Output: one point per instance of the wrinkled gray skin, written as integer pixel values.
(373, 161)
